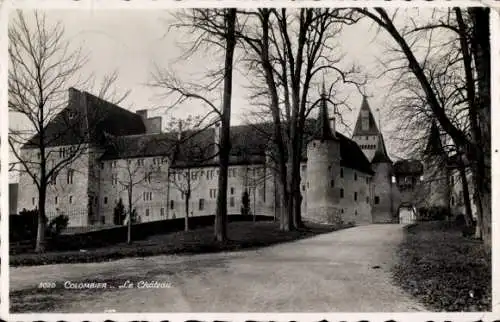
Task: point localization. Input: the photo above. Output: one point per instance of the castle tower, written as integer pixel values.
(323, 170)
(382, 189)
(366, 133)
(436, 176)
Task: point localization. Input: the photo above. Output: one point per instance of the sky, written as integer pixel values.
(134, 41)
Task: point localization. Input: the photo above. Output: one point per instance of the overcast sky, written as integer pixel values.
(132, 41)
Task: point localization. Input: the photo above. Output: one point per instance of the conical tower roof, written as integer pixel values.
(365, 111)
(434, 145)
(381, 155)
(323, 129)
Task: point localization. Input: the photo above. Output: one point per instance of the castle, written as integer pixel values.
(125, 155)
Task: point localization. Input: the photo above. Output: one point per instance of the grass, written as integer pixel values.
(445, 271)
(242, 235)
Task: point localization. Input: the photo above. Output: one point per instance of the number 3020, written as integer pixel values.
(47, 285)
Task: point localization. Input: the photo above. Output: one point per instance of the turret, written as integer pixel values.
(436, 174)
(383, 207)
(323, 170)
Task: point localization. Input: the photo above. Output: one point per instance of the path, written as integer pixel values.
(331, 272)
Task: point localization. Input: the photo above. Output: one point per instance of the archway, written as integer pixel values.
(407, 213)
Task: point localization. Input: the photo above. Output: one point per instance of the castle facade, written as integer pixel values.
(125, 155)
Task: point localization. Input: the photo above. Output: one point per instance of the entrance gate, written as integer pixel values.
(407, 215)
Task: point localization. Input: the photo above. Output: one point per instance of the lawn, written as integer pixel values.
(242, 235)
(444, 270)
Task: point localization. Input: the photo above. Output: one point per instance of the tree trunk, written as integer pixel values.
(465, 190)
(225, 141)
(482, 59)
(186, 219)
(40, 236)
(129, 223)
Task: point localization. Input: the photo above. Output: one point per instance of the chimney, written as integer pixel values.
(179, 134)
(153, 125)
(217, 130)
(73, 97)
(143, 114)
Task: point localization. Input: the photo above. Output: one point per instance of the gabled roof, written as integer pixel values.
(372, 125)
(381, 155)
(85, 119)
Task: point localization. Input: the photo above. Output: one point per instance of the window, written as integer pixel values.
(114, 179)
(355, 212)
(452, 180)
(367, 180)
(329, 168)
(55, 201)
(114, 164)
(331, 183)
(201, 204)
(452, 200)
(355, 176)
(366, 137)
(148, 177)
(171, 204)
(54, 178)
(232, 190)
(105, 200)
(341, 172)
(377, 200)
(342, 210)
(341, 193)
(303, 168)
(367, 199)
(103, 220)
(71, 199)
(33, 201)
(162, 212)
(102, 165)
(147, 212)
(303, 188)
(140, 161)
(69, 176)
(355, 196)
(231, 201)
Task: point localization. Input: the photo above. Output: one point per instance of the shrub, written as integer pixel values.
(24, 226)
(119, 213)
(57, 225)
(245, 201)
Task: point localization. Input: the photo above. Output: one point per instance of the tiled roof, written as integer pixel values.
(411, 167)
(248, 146)
(85, 119)
(372, 125)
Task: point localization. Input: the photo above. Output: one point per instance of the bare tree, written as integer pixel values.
(216, 28)
(42, 68)
(187, 155)
(472, 52)
(288, 52)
